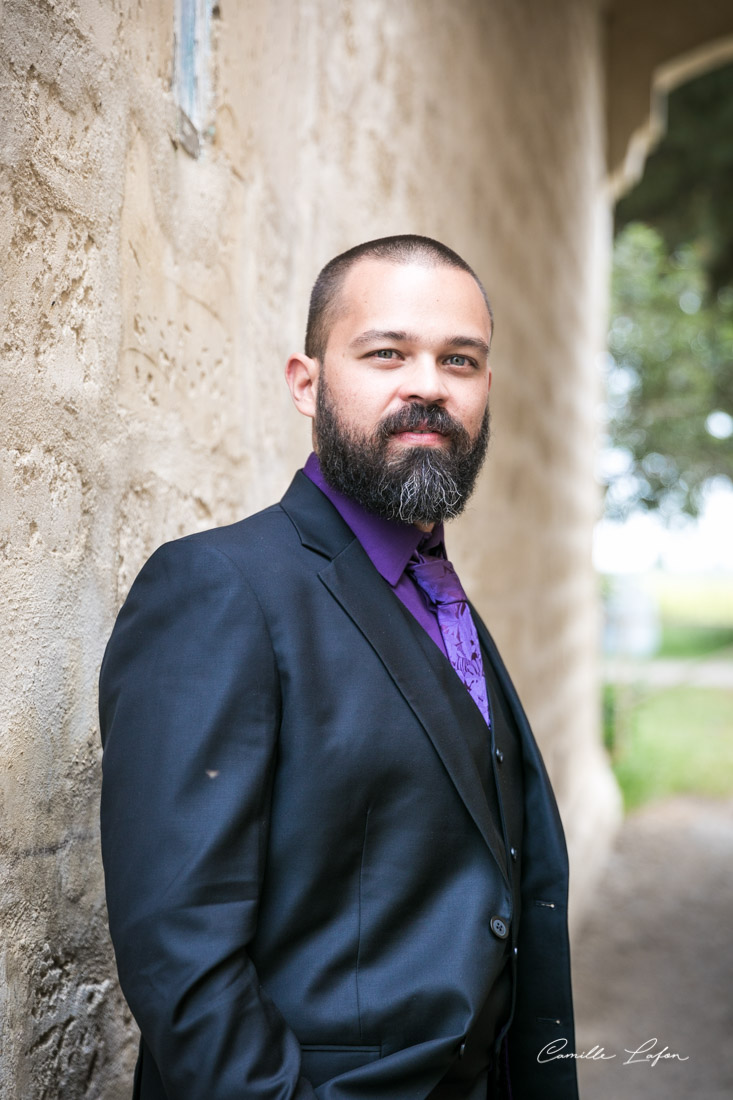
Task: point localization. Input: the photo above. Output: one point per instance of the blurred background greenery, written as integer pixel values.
(668, 718)
(667, 457)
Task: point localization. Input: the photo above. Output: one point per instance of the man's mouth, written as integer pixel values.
(418, 426)
(420, 435)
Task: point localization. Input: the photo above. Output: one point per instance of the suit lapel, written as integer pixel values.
(420, 671)
(489, 646)
(544, 844)
(418, 668)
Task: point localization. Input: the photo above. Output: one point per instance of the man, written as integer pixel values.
(334, 863)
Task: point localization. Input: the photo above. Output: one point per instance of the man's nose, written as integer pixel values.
(423, 380)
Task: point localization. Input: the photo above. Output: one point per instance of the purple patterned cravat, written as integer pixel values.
(439, 582)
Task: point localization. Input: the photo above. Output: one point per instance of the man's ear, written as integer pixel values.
(301, 375)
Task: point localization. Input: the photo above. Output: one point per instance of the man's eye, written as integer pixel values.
(459, 361)
(385, 353)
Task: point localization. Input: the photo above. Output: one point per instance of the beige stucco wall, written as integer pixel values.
(150, 300)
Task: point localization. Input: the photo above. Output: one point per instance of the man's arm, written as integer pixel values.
(189, 712)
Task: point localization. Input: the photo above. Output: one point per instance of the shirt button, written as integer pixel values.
(499, 927)
(499, 755)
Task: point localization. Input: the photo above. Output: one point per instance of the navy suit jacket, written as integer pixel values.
(300, 863)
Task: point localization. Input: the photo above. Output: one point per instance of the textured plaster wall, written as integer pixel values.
(149, 301)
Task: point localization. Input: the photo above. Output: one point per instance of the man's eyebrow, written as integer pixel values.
(468, 342)
(373, 335)
(376, 335)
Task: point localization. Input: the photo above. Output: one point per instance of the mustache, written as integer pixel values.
(416, 417)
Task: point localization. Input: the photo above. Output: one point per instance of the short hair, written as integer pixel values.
(403, 249)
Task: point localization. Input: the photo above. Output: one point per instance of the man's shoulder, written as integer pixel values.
(268, 550)
(270, 522)
(261, 536)
(303, 519)
(207, 564)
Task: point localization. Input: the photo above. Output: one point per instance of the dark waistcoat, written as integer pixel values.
(498, 758)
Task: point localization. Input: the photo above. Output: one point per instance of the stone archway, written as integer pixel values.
(651, 48)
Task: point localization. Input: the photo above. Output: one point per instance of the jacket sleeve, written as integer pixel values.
(189, 713)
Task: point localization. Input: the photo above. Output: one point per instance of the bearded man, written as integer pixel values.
(334, 863)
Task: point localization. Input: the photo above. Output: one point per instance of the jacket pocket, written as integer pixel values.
(321, 1062)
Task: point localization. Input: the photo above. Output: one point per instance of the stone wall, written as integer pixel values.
(150, 299)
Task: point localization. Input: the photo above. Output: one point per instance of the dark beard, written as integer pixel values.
(422, 485)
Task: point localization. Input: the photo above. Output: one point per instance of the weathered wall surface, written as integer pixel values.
(150, 300)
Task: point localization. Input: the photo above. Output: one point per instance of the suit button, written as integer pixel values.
(499, 927)
(499, 755)
(462, 1050)
(514, 854)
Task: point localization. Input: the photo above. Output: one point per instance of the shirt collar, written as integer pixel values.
(389, 543)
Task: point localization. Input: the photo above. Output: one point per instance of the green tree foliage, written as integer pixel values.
(687, 188)
(670, 364)
(669, 378)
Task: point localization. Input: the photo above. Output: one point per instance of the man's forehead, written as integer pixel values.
(367, 268)
(386, 283)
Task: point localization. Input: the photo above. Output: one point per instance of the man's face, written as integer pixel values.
(401, 420)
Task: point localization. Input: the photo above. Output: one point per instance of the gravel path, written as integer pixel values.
(715, 672)
(654, 959)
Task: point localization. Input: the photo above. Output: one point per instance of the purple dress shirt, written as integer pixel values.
(389, 544)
